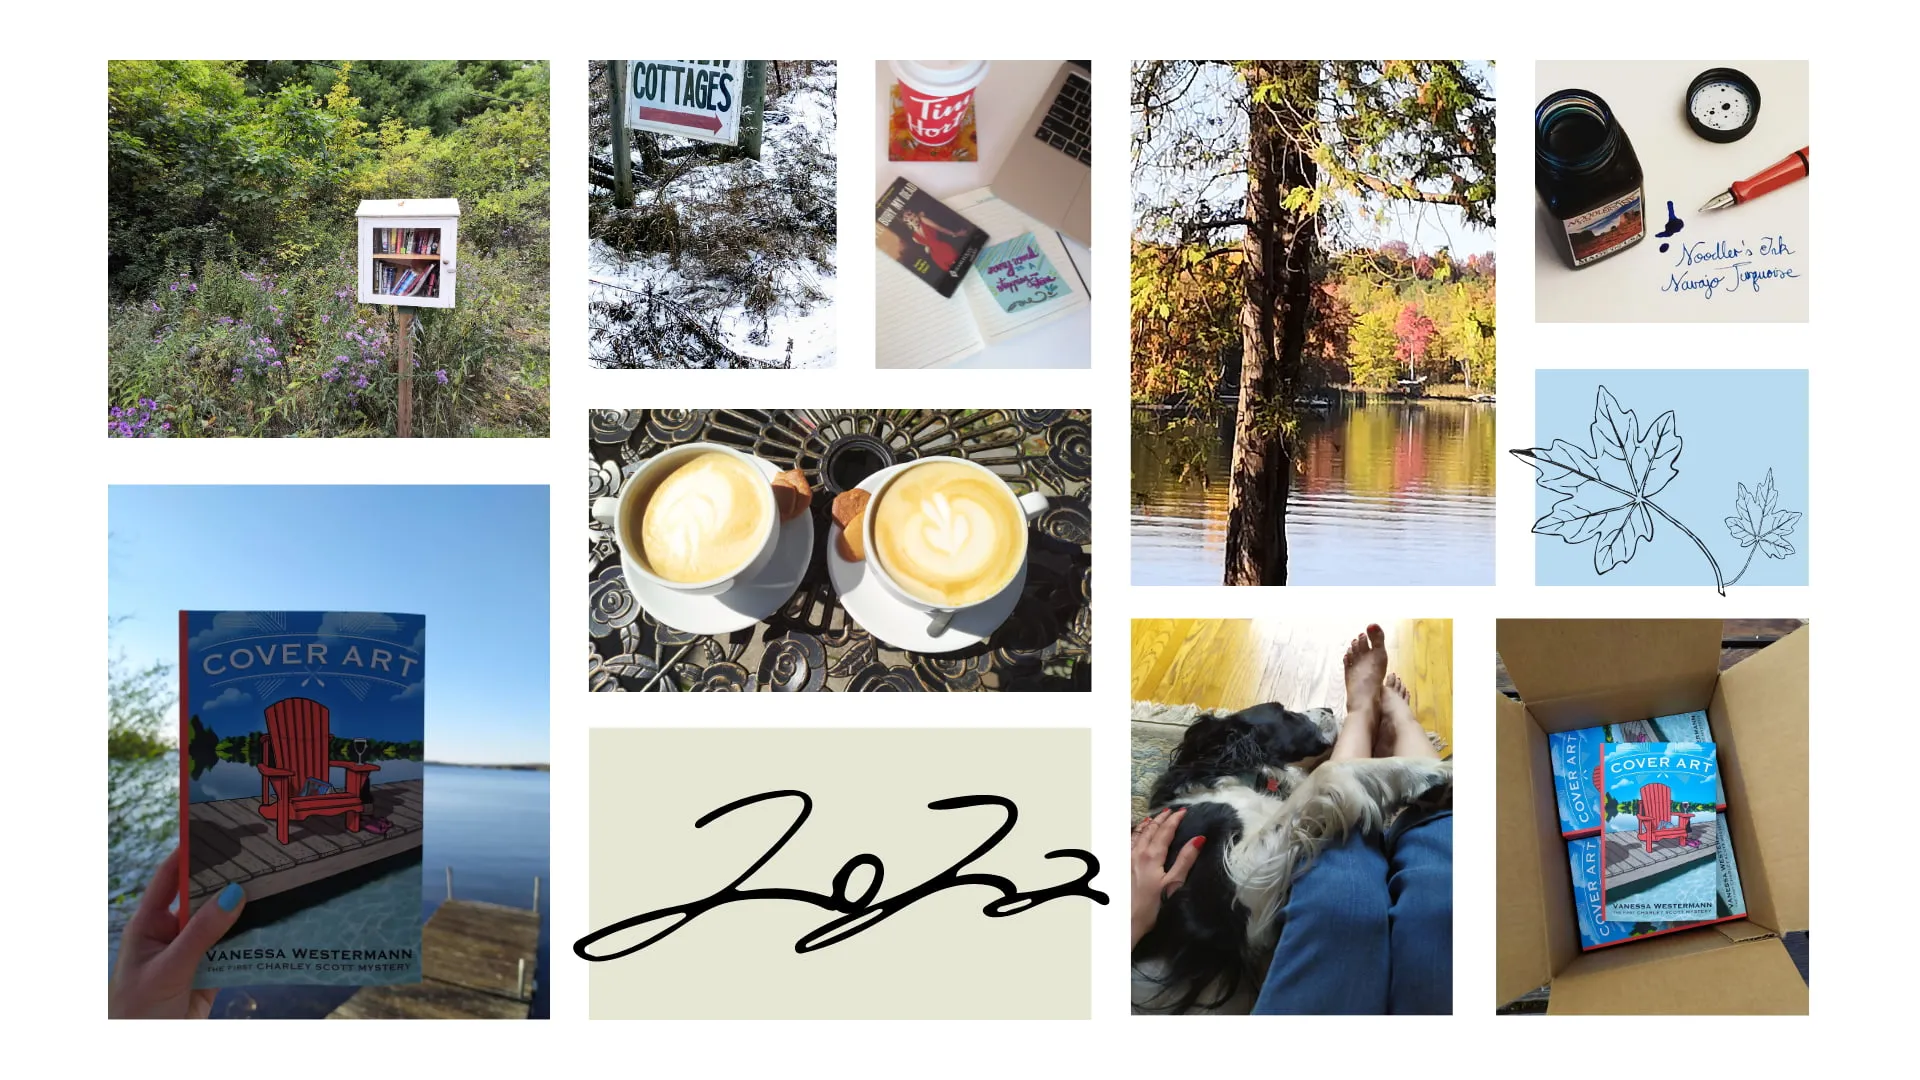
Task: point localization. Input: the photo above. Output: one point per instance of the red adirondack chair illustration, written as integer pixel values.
(295, 748)
(1656, 809)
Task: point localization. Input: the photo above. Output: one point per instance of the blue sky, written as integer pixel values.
(472, 559)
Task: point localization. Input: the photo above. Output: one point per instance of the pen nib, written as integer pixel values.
(1720, 201)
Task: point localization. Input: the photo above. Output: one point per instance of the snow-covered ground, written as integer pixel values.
(725, 257)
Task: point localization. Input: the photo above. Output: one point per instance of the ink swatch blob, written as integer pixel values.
(1674, 225)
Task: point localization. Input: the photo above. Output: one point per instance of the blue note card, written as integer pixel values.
(1018, 274)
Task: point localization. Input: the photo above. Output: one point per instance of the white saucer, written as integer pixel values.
(882, 614)
(749, 601)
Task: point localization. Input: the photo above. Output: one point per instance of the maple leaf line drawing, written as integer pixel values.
(1606, 492)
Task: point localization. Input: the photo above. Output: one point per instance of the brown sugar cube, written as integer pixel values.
(848, 505)
(792, 494)
(852, 545)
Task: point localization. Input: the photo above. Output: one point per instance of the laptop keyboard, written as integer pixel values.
(1068, 126)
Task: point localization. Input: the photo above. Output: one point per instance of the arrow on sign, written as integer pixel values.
(681, 119)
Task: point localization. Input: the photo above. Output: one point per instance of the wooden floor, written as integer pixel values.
(229, 840)
(477, 962)
(1628, 859)
(1234, 663)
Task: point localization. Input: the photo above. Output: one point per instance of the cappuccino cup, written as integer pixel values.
(695, 519)
(944, 535)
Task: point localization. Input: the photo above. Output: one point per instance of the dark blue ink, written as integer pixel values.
(1674, 224)
(1663, 247)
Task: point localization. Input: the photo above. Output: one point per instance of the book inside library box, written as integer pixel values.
(406, 262)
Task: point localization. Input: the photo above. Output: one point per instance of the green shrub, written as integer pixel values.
(232, 198)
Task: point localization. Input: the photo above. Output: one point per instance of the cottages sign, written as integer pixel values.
(694, 99)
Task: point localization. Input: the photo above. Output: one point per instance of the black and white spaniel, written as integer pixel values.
(1257, 785)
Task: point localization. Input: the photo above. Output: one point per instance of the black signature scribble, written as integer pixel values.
(1606, 491)
(858, 908)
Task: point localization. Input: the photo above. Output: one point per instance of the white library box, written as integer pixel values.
(407, 250)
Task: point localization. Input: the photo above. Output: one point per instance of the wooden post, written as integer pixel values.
(536, 892)
(449, 882)
(622, 149)
(403, 363)
(520, 980)
(753, 108)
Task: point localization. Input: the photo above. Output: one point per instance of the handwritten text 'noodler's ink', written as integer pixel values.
(858, 912)
(1713, 268)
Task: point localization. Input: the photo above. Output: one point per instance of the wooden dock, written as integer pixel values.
(229, 841)
(477, 962)
(1629, 861)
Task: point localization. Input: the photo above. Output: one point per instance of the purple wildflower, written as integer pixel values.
(441, 374)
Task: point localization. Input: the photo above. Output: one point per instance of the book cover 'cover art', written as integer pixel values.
(1576, 764)
(927, 237)
(1596, 932)
(301, 772)
(1661, 832)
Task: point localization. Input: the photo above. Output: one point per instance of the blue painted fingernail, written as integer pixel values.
(231, 896)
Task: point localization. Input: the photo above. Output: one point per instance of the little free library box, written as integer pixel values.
(1582, 673)
(407, 251)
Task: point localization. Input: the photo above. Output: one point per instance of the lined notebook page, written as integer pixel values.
(1004, 221)
(915, 326)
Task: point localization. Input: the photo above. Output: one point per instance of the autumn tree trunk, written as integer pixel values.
(1279, 250)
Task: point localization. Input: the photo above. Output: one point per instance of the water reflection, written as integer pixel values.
(1385, 493)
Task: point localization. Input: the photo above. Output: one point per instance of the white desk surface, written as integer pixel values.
(1001, 107)
(1648, 99)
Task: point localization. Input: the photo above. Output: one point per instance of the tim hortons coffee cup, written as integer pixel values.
(937, 96)
(695, 519)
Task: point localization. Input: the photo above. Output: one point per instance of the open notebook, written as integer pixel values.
(919, 328)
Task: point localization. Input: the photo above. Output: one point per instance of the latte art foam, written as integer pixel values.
(704, 519)
(949, 534)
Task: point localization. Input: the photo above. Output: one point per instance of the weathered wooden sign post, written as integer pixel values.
(622, 147)
(710, 101)
(407, 260)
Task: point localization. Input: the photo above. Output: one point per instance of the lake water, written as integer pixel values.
(490, 825)
(1393, 493)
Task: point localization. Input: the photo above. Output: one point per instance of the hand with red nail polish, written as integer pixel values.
(1153, 879)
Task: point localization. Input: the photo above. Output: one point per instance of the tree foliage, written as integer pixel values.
(1292, 162)
(1384, 134)
(226, 176)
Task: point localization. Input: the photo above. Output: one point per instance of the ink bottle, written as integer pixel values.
(1588, 177)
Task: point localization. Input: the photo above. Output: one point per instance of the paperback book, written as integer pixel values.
(1660, 835)
(302, 741)
(1596, 932)
(927, 236)
(1576, 764)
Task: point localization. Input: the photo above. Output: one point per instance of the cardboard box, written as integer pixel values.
(1578, 673)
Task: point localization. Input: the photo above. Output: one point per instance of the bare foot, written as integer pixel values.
(1400, 732)
(1366, 662)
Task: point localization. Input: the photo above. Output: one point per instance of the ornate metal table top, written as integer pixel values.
(811, 643)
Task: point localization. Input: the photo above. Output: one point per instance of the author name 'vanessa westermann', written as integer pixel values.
(858, 912)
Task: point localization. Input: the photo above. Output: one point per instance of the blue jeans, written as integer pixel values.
(1369, 927)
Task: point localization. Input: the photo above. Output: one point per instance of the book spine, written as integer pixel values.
(185, 857)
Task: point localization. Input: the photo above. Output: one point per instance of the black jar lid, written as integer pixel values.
(1722, 104)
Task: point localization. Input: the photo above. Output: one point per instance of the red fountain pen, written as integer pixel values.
(1772, 178)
